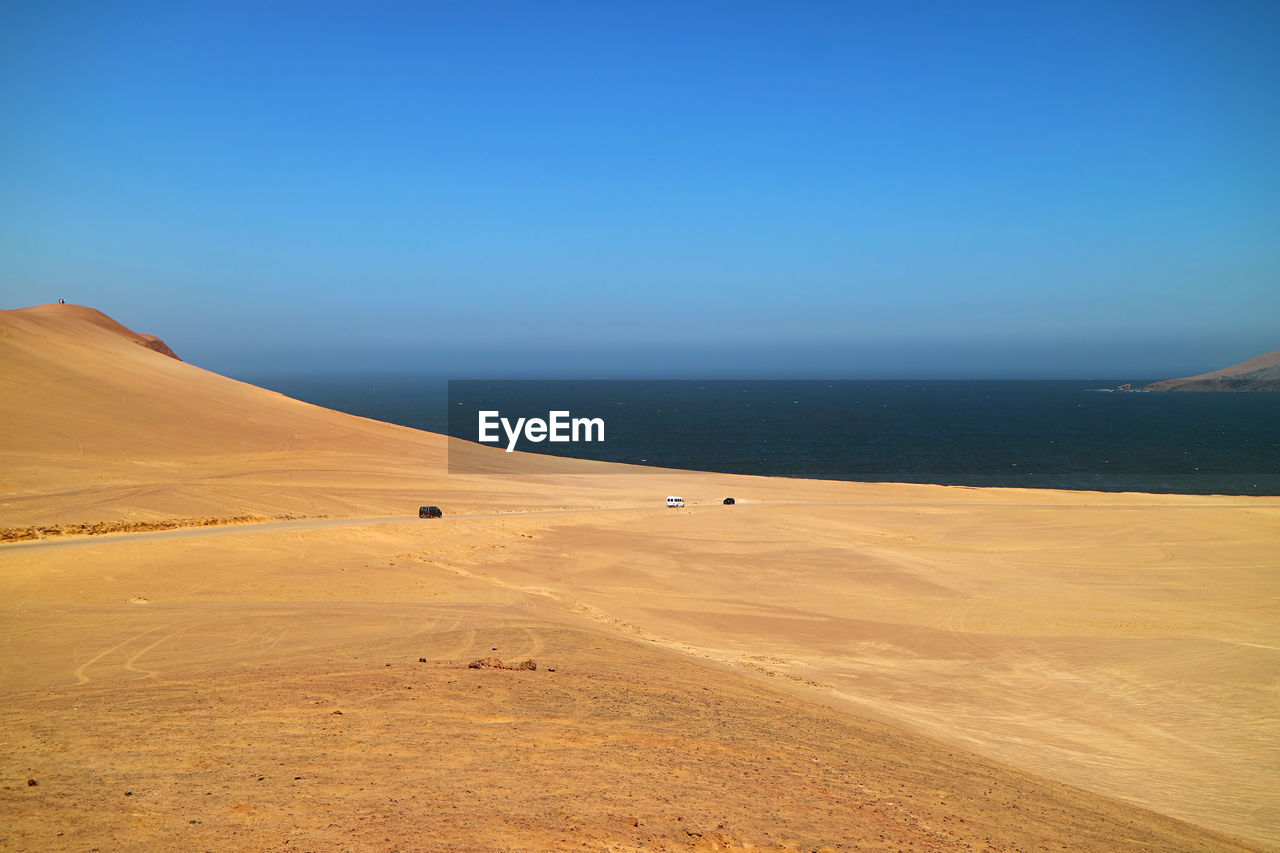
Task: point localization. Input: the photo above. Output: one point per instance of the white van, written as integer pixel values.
(674, 501)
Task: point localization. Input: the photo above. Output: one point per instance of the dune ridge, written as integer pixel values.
(823, 665)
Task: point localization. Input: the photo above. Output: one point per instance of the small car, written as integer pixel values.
(729, 502)
(430, 512)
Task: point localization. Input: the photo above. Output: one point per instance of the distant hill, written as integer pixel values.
(1257, 374)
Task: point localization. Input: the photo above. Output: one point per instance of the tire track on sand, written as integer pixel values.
(82, 678)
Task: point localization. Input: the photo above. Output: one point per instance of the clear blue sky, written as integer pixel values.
(864, 189)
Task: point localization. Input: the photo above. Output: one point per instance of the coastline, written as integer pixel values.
(1102, 647)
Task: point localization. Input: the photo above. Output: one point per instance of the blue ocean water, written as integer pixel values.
(1040, 434)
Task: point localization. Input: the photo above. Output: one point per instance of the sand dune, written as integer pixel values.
(826, 664)
(1260, 373)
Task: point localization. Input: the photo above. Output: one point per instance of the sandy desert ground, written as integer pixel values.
(823, 666)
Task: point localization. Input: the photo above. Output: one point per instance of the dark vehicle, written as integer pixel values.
(729, 502)
(430, 512)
